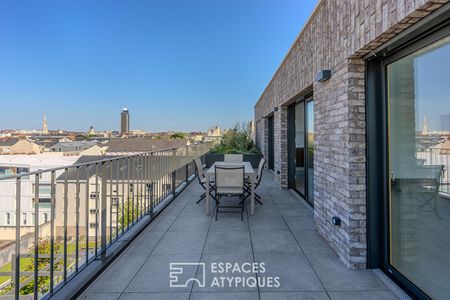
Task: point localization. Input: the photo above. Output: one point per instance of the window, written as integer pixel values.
(92, 225)
(24, 218)
(45, 217)
(93, 195)
(418, 136)
(8, 218)
(130, 187)
(114, 201)
(93, 211)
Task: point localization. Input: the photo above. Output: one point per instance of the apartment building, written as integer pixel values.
(17, 164)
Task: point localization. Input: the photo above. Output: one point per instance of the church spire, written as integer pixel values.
(425, 126)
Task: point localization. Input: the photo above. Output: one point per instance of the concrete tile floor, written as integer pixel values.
(281, 235)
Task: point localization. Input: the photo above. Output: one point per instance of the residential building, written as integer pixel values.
(73, 147)
(17, 164)
(341, 121)
(135, 145)
(15, 146)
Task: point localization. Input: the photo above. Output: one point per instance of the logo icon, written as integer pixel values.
(177, 274)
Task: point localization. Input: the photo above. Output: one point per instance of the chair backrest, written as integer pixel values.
(262, 162)
(199, 169)
(233, 158)
(230, 177)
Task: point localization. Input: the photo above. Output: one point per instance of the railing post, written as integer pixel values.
(174, 176)
(187, 173)
(17, 254)
(36, 237)
(103, 214)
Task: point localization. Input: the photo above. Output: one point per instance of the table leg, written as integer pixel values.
(252, 203)
(207, 205)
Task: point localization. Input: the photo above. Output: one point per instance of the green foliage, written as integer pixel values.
(237, 141)
(178, 135)
(129, 214)
(43, 264)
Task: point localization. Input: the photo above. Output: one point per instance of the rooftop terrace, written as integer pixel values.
(281, 235)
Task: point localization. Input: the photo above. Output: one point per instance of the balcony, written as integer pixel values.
(129, 227)
(281, 235)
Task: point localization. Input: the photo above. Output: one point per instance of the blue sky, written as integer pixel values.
(177, 65)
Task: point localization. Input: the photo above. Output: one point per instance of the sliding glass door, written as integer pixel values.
(302, 148)
(300, 163)
(418, 104)
(310, 150)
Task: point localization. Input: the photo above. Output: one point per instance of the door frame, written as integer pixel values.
(271, 142)
(291, 144)
(377, 140)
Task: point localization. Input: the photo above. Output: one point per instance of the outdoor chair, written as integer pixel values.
(237, 158)
(202, 180)
(229, 183)
(257, 182)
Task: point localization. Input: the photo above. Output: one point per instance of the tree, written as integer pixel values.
(178, 135)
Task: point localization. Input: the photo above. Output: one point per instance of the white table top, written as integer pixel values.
(248, 170)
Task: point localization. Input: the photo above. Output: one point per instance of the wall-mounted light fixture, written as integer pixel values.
(323, 75)
(336, 221)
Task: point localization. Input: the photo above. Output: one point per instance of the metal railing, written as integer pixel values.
(437, 157)
(89, 206)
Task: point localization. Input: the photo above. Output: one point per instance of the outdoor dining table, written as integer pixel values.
(248, 172)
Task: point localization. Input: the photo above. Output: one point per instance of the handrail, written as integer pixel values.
(86, 211)
(95, 162)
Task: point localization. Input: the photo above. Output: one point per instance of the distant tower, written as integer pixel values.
(44, 125)
(425, 126)
(91, 131)
(124, 121)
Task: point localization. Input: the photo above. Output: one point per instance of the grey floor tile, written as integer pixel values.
(145, 243)
(312, 243)
(267, 223)
(335, 276)
(274, 242)
(154, 276)
(119, 274)
(226, 242)
(161, 223)
(367, 295)
(300, 223)
(100, 296)
(294, 296)
(226, 222)
(268, 208)
(181, 243)
(190, 222)
(224, 296)
(294, 209)
(154, 296)
(294, 272)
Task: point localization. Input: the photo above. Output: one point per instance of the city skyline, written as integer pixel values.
(83, 62)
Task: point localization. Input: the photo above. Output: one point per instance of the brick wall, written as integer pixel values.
(336, 36)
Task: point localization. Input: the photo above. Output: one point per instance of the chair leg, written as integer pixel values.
(242, 207)
(217, 206)
(201, 198)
